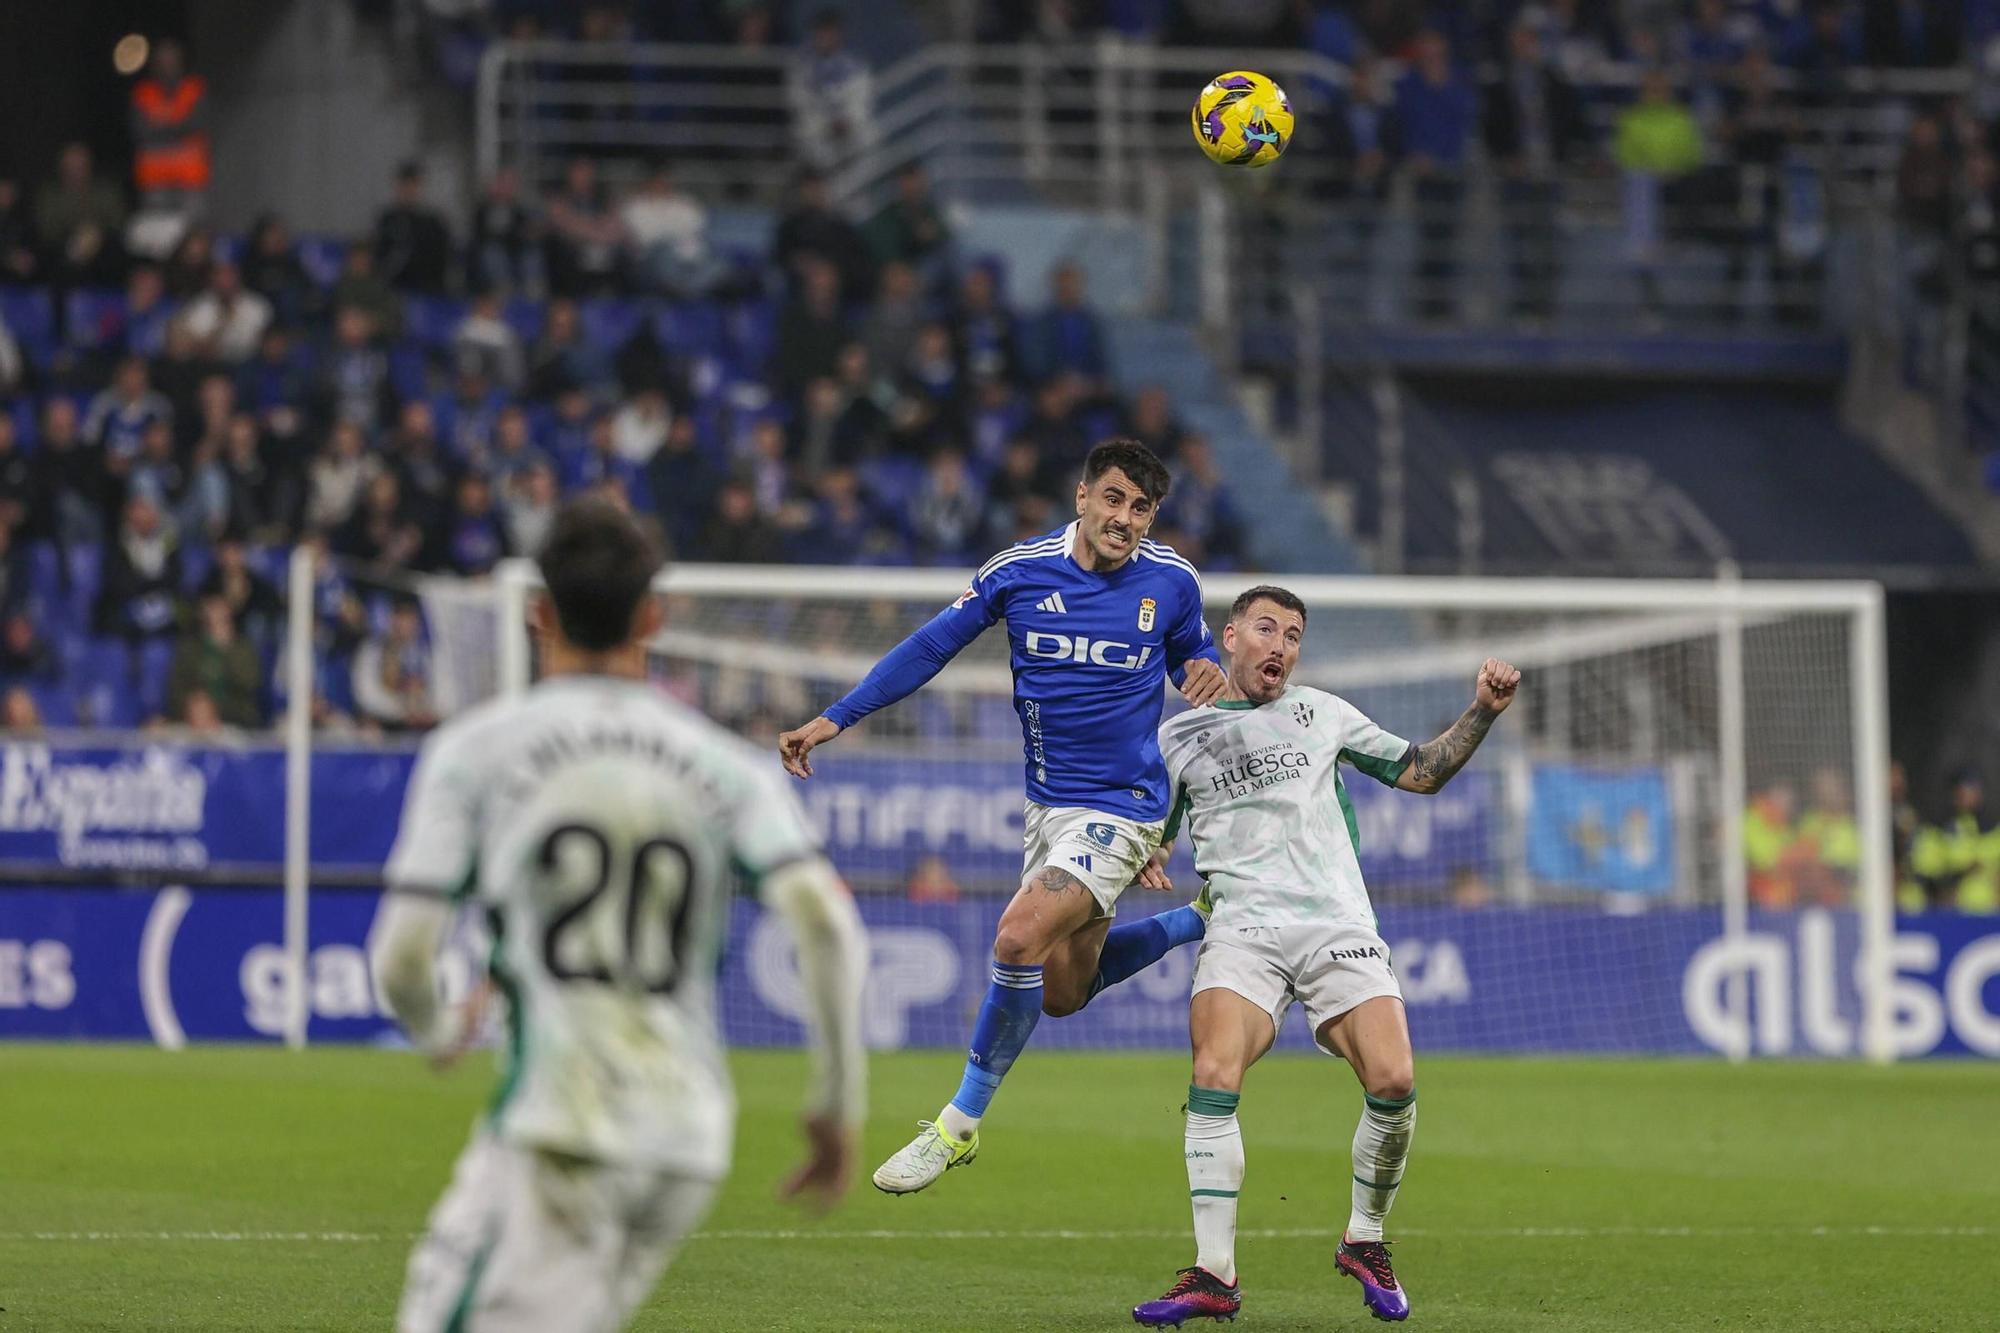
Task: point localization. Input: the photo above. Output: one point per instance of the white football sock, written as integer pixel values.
(1215, 1178)
(1381, 1147)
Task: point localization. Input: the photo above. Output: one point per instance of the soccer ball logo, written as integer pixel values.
(1242, 119)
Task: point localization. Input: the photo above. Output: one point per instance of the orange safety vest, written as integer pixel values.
(176, 164)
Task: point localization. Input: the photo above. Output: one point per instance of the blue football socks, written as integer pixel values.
(1007, 1016)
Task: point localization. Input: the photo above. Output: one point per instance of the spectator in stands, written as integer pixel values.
(1911, 34)
(1535, 127)
(17, 477)
(513, 451)
(814, 228)
(889, 330)
(983, 330)
(1020, 491)
(1658, 143)
(811, 330)
(640, 427)
(1832, 852)
(26, 657)
(840, 525)
(392, 673)
(70, 479)
(216, 660)
(337, 476)
(412, 240)
(1200, 504)
(199, 717)
(381, 531)
(262, 500)
(666, 232)
(142, 575)
(530, 508)
(277, 385)
(1710, 44)
(14, 584)
(361, 287)
(78, 220)
(863, 424)
(353, 382)
(156, 472)
(1052, 424)
(1957, 861)
(181, 368)
(506, 248)
(186, 269)
(1771, 845)
(478, 536)
(418, 460)
(832, 96)
(600, 463)
(227, 320)
(1435, 110)
(119, 415)
(910, 229)
(764, 465)
(1924, 175)
(931, 373)
(253, 602)
(946, 514)
(584, 238)
(682, 483)
(170, 158)
(271, 268)
(19, 714)
(738, 533)
(19, 264)
(13, 366)
(486, 343)
(930, 881)
(1149, 419)
(564, 360)
(1067, 338)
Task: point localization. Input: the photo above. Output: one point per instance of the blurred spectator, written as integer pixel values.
(142, 575)
(814, 228)
(353, 381)
(841, 525)
(738, 533)
(1771, 845)
(19, 714)
(361, 287)
(668, 235)
(910, 229)
(1066, 337)
(530, 508)
(78, 217)
(1021, 492)
(1958, 861)
(262, 501)
(170, 157)
(200, 716)
(890, 328)
(186, 269)
(1710, 43)
(70, 479)
(640, 427)
(983, 329)
(945, 515)
(13, 367)
(381, 530)
(1150, 420)
(19, 264)
(418, 460)
(1360, 132)
(253, 601)
(25, 655)
(216, 660)
(767, 470)
(412, 241)
(1911, 34)
(271, 268)
(563, 359)
(181, 368)
(1657, 144)
(18, 483)
(514, 450)
(1200, 505)
(277, 384)
(832, 95)
(600, 462)
(506, 247)
(14, 588)
(931, 372)
(1434, 115)
(140, 328)
(1053, 428)
(486, 343)
(337, 475)
(227, 320)
(584, 237)
(392, 673)
(1468, 890)
(930, 881)
(1832, 843)
(119, 415)
(1535, 126)
(811, 330)
(478, 537)
(682, 484)
(1924, 176)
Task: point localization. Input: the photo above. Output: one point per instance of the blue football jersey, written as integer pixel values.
(1091, 653)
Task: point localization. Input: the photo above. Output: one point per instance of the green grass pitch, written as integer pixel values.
(238, 1189)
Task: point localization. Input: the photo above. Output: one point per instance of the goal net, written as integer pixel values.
(1599, 878)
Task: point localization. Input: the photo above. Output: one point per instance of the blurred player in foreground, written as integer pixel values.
(1097, 618)
(597, 823)
(1256, 779)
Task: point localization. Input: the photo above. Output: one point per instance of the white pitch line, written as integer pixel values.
(1273, 1233)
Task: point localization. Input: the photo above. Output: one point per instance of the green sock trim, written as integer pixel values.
(1379, 1184)
(1389, 1104)
(1212, 1101)
(1211, 1194)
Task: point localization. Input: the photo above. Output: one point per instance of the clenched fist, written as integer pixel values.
(1497, 682)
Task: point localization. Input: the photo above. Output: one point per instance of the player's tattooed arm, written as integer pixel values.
(1436, 761)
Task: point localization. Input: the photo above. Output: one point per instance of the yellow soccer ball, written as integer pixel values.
(1242, 119)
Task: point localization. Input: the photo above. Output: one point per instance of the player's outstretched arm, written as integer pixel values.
(402, 952)
(1436, 761)
(833, 962)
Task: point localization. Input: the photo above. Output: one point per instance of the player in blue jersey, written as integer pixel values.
(1098, 618)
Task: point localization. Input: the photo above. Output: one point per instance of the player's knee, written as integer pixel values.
(1018, 944)
(1217, 1072)
(1392, 1082)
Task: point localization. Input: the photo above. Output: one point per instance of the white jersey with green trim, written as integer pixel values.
(1258, 787)
(600, 825)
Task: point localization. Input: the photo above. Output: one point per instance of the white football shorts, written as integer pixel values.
(1329, 969)
(1106, 852)
(534, 1242)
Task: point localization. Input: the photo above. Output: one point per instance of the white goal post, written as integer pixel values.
(1702, 689)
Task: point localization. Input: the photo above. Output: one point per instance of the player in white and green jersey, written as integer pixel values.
(600, 825)
(1257, 783)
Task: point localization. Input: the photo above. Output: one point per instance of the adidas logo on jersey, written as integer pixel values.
(1053, 602)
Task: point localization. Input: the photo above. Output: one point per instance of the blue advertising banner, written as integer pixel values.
(1609, 830)
(207, 965)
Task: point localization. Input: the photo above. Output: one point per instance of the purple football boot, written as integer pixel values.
(1196, 1294)
(1367, 1262)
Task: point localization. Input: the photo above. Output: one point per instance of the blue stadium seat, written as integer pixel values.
(321, 258)
(753, 331)
(90, 317)
(229, 248)
(45, 586)
(409, 371)
(102, 673)
(431, 320)
(56, 703)
(196, 561)
(31, 318)
(153, 662)
(689, 328)
(611, 324)
(525, 318)
(86, 577)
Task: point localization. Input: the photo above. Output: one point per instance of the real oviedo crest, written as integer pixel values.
(1146, 607)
